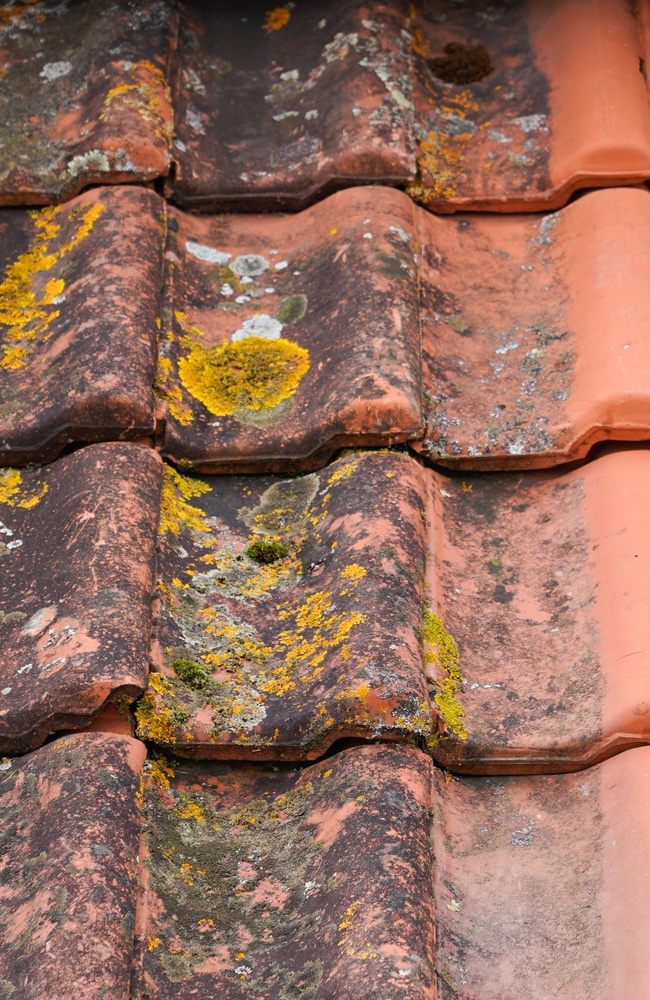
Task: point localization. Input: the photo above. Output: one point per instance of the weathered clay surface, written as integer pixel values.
(275, 884)
(541, 884)
(75, 593)
(68, 870)
(79, 301)
(542, 580)
(534, 332)
(84, 98)
(285, 338)
(564, 106)
(290, 611)
(275, 108)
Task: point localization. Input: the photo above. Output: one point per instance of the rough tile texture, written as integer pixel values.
(274, 885)
(563, 105)
(541, 579)
(290, 611)
(511, 311)
(285, 338)
(79, 304)
(276, 107)
(75, 594)
(85, 98)
(541, 884)
(68, 871)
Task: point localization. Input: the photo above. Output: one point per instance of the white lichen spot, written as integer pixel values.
(52, 71)
(357, 111)
(227, 290)
(281, 115)
(208, 254)
(531, 123)
(281, 264)
(259, 326)
(311, 114)
(95, 159)
(249, 265)
(6, 690)
(179, 144)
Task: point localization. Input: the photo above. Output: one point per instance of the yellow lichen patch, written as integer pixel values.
(343, 472)
(276, 19)
(166, 388)
(175, 512)
(190, 810)
(354, 573)
(28, 304)
(441, 650)
(161, 771)
(442, 160)
(148, 94)
(14, 493)
(316, 629)
(155, 722)
(251, 374)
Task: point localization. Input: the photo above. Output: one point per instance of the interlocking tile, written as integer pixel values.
(77, 557)
(68, 871)
(281, 106)
(542, 580)
(85, 98)
(534, 332)
(290, 611)
(267, 883)
(285, 338)
(542, 884)
(563, 105)
(79, 303)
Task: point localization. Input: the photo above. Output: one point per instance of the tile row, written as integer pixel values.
(504, 107)
(495, 620)
(265, 343)
(225, 880)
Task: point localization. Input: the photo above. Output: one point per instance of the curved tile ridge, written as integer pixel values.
(263, 882)
(85, 98)
(285, 338)
(542, 580)
(534, 332)
(561, 105)
(69, 822)
(541, 883)
(77, 552)
(280, 107)
(289, 611)
(79, 301)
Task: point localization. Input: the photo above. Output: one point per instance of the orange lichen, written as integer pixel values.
(276, 19)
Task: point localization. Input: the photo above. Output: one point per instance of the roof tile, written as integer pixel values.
(78, 310)
(290, 611)
(262, 882)
(564, 105)
(77, 557)
(285, 338)
(69, 825)
(542, 883)
(85, 96)
(280, 107)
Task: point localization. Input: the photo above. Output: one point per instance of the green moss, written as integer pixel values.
(265, 552)
(441, 650)
(191, 673)
(292, 309)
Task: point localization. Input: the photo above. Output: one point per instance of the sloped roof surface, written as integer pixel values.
(324, 534)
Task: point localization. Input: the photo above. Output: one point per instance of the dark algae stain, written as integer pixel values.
(462, 63)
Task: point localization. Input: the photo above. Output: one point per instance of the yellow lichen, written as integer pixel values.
(175, 512)
(148, 94)
(251, 374)
(354, 573)
(165, 388)
(441, 650)
(316, 630)
(342, 472)
(26, 302)
(15, 494)
(155, 722)
(161, 771)
(276, 19)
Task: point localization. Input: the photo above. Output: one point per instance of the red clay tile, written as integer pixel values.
(264, 883)
(286, 338)
(85, 98)
(77, 557)
(534, 332)
(541, 884)
(290, 611)
(542, 580)
(78, 309)
(68, 871)
(281, 106)
(563, 105)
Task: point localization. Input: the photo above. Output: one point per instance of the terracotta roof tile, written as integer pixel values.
(84, 95)
(290, 611)
(78, 309)
(563, 105)
(542, 883)
(68, 871)
(266, 883)
(77, 558)
(542, 580)
(278, 107)
(285, 338)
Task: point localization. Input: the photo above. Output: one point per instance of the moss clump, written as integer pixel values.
(461, 64)
(266, 553)
(292, 309)
(441, 650)
(191, 673)
(254, 374)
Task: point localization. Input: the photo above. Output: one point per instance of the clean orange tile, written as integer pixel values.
(77, 555)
